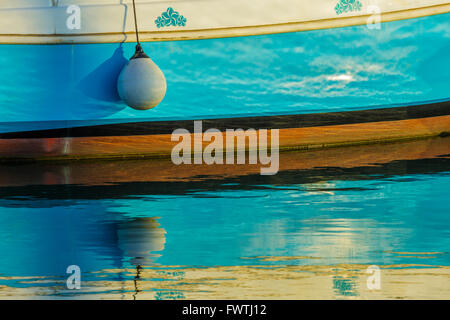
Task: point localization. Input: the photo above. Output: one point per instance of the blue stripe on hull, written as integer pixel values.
(48, 86)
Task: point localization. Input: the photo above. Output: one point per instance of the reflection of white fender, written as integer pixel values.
(40, 21)
(140, 239)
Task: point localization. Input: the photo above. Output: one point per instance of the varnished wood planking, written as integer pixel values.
(161, 145)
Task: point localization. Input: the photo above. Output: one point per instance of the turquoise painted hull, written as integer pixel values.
(404, 62)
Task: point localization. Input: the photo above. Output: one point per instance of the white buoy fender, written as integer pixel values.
(141, 84)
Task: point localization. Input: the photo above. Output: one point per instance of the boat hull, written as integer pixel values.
(295, 132)
(244, 80)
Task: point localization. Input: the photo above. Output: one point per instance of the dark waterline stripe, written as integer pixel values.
(263, 122)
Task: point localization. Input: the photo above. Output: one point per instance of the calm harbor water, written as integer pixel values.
(149, 229)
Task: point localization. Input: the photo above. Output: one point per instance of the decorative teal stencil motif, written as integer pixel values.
(170, 18)
(347, 5)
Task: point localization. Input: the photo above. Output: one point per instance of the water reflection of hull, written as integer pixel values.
(130, 243)
(280, 282)
(162, 176)
(117, 244)
(292, 282)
